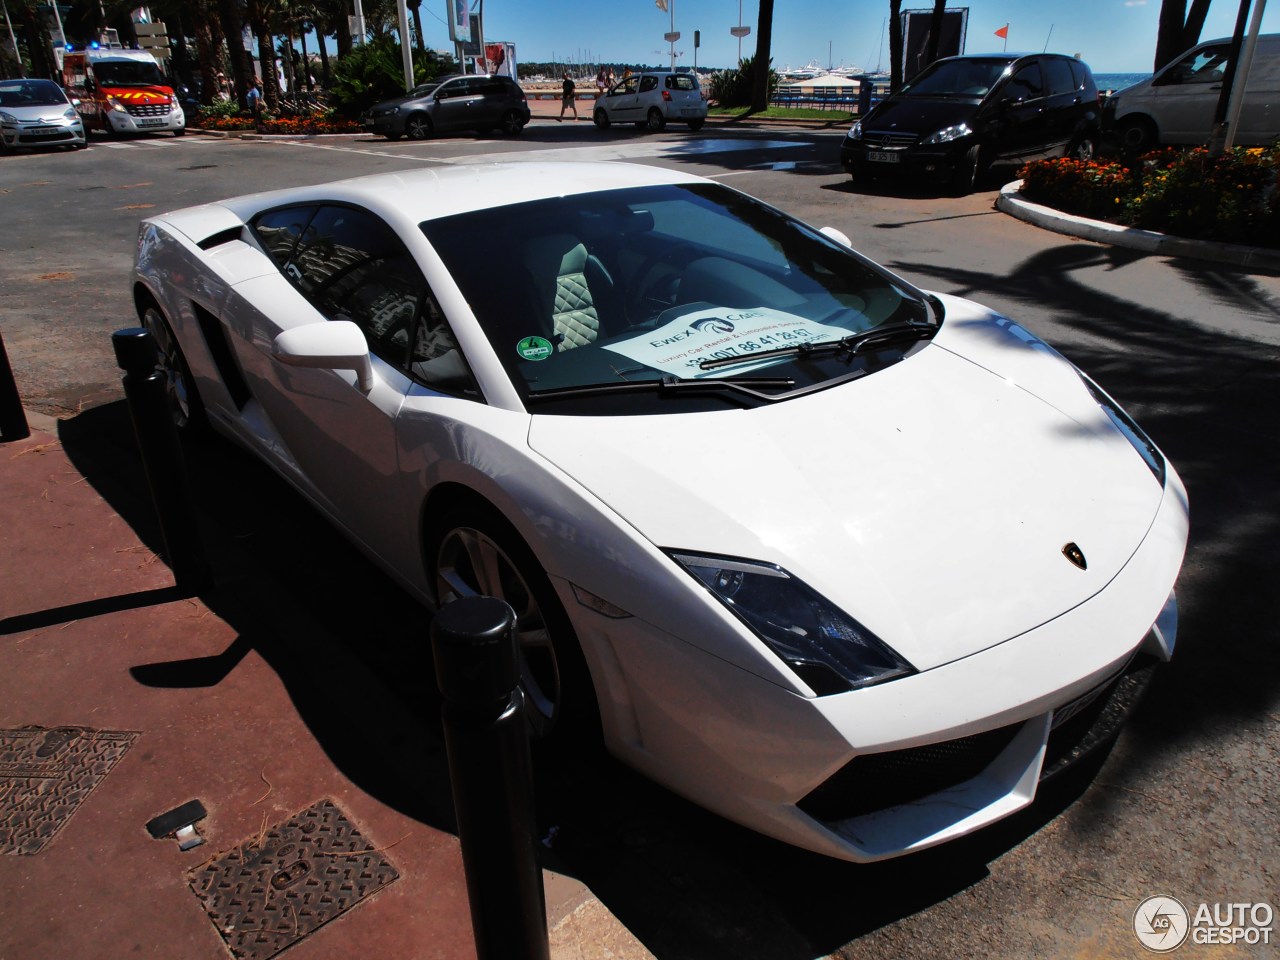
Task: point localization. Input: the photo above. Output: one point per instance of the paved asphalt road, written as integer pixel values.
(1185, 805)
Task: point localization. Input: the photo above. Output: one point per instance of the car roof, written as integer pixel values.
(427, 194)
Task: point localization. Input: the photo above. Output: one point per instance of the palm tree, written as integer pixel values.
(1178, 30)
(764, 38)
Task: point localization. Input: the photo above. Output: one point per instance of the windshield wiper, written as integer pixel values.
(852, 345)
(747, 386)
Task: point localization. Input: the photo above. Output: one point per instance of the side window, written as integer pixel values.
(1057, 75)
(679, 82)
(278, 232)
(1026, 84)
(628, 85)
(352, 266)
(1204, 66)
(648, 83)
(455, 88)
(1079, 75)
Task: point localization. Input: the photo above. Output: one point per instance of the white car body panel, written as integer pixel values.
(899, 497)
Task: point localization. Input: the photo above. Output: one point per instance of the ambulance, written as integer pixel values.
(122, 91)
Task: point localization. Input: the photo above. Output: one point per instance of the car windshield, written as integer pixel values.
(593, 301)
(31, 93)
(127, 73)
(957, 78)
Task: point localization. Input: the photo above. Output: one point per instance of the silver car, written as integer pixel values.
(652, 98)
(37, 113)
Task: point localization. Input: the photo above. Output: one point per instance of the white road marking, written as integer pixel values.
(607, 151)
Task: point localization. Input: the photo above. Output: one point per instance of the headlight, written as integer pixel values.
(114, 104)
(7, 118)
(70, 114)
(855, 132)
(827, 649)
(1129, 427)
(947, 134)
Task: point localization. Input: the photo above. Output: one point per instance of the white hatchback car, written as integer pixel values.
(37, 113)
(652, 98)
(853, 564)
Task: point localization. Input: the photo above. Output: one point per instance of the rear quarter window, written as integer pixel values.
(1057, 77)
(680, 82)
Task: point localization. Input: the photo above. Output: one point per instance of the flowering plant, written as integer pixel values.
(1187, 193)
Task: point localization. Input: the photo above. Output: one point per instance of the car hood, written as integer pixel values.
(52, 112)
(932, 500)
(919, 115)
(138, 95)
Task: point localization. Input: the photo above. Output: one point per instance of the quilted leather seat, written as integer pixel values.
(574, 290)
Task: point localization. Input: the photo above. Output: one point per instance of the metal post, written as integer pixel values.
(144, 389)
(13, 420)
(487, 741)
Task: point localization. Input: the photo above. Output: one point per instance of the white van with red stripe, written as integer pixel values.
(122, 91)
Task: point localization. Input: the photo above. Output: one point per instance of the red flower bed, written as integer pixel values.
(315, 123)
(1234, 198)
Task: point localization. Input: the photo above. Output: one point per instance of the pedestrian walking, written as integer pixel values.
(568, 97)
(602, 81)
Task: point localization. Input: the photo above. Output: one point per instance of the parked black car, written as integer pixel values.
(961, 115)
(448, 104)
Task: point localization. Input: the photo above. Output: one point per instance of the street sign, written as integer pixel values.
(154, 38)
(671, 37)
(739, 32)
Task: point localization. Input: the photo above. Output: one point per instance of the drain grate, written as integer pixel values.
(45, 774)
(274, 889)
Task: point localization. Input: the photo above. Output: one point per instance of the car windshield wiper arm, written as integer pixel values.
(748, 386)
(852, 345)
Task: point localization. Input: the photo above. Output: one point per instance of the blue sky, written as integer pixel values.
(1112, 36)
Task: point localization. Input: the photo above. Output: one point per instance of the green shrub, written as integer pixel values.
(374, 71)
(732, 88)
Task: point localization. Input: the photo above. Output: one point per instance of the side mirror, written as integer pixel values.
(75, 102)
(838, 236)
(332, 345)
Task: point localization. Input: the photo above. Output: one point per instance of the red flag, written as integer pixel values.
(1003, 32)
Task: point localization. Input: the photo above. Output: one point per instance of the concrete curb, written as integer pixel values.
(1012, 202)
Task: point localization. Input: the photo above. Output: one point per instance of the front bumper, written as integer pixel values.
(43, 133)
(900, 766)
(150, 118)
(382, 126)
(935, 162)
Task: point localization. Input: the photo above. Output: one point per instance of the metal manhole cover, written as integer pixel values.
(45, 774)
(274, 889)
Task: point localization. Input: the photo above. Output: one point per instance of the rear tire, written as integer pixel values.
(1083, 148)
(696, 125)
(655, 120)
(512, 123)
(181, 396)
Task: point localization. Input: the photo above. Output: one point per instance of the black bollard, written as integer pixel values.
(13, 420)
(144, 389)
(487, 740)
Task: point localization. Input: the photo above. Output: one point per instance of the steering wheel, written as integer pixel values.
(657, 280)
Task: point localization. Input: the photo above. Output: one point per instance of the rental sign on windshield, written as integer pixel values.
(678, 347)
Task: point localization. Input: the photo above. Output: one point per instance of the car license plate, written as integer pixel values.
(689, 112)
(159, 122)
(43, 131)
(881, 156)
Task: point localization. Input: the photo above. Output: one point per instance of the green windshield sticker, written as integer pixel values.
(534, 348)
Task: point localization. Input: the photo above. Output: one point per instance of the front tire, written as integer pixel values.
(601, 118)
(181, 396)
(418, 127)
(655, 120)
(965, 176)
(1137, 135)
(475, 552)
(181, 132)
